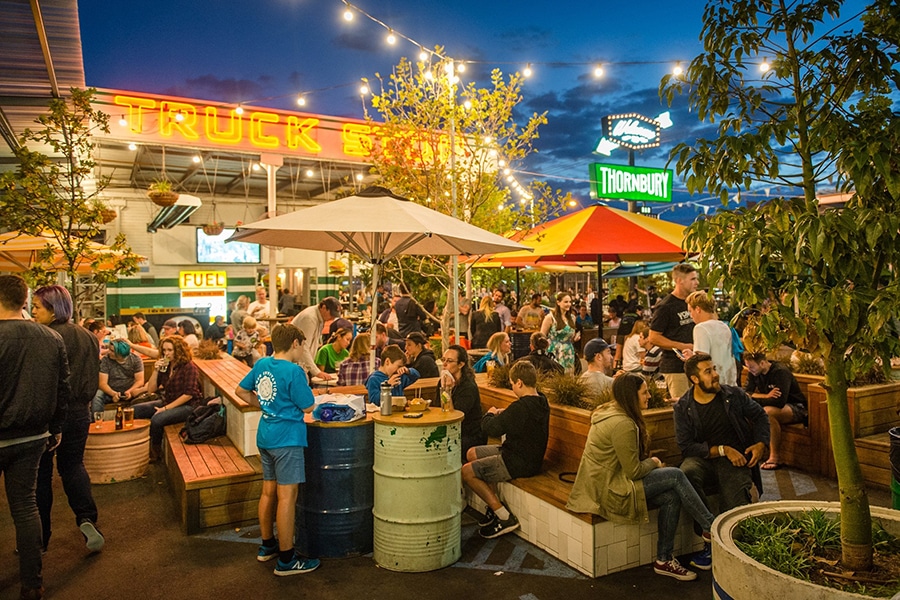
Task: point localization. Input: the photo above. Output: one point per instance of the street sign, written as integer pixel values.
(619, 182)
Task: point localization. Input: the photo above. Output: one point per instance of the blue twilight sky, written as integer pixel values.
(265, 52)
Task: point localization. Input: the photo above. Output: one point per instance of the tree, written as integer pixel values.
(822, 112)
(439, 134)
(55, 193)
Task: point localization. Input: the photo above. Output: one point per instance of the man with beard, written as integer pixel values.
(723, 434)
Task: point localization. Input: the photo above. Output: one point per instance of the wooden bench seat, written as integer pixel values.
(874, 459)
(225, 374)
(215, 485)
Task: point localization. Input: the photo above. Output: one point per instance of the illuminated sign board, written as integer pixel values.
(202, 280)
(631, 183)
(632, 131)
(202, 124)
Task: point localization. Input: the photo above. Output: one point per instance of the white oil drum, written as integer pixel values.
(418, 500)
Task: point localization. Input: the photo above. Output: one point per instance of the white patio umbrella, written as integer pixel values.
(378, 226)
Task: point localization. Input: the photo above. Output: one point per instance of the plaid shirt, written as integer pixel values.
(355, 372)
(181, 380)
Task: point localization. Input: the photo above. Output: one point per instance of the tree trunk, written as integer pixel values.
(856, 521)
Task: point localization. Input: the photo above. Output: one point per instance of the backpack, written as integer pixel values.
(205, 423)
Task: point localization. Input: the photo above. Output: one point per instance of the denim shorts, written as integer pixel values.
(488, 464)
(284, 465)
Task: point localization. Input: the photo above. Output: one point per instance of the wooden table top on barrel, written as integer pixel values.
(430, 416)
(109, 426)
(310, 421)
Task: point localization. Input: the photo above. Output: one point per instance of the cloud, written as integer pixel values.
(357, 40)
(527, 39)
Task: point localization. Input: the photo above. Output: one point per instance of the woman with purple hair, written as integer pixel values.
(52, 306)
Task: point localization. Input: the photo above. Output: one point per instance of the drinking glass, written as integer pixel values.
(98, 419)
(129, 417)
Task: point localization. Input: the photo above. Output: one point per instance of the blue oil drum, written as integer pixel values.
(334, 506)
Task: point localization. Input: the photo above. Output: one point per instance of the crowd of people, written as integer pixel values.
(726, 433)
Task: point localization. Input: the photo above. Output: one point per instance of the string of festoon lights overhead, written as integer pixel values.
(598, 69)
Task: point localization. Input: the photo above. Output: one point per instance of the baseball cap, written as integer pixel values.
(594, 347)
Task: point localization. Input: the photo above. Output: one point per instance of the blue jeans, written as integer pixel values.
(159, 420)
(100, 398)
(19, 466)
(70, 464)
(669, 489)
(733, 483)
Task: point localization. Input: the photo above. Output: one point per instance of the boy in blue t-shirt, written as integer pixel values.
(280, 388)
(392, 370)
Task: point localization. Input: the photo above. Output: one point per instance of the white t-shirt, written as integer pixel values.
(631, 353)
(714, 338)
(258, 310)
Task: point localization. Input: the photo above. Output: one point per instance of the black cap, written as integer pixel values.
(594, 347)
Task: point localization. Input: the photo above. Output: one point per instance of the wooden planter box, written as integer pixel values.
(569, 427)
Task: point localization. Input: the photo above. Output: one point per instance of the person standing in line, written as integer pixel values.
(33, 402)
(619, 480)
(672, 329)
(712, 336)
(52, 306)
(559, 327)
(141, 320)
(279, 387)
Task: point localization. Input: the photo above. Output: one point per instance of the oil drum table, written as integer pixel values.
(418, 500)
(112, 455)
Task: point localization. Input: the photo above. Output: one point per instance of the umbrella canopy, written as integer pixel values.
(376, 225)
(598, 233)
(19, 252)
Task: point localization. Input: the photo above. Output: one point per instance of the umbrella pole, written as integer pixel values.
(372, 332)
(518, 291)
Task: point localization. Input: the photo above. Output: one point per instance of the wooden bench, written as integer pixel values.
(586, 542)
(214, 483)
(219, 378)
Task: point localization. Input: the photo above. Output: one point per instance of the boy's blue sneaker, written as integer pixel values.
(296, 566)
(267, 552)
(703, 559)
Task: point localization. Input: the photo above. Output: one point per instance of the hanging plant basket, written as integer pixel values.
(213, 228)
(108, 215)
(163, 198)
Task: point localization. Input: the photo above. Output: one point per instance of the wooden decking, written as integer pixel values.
(215, 484)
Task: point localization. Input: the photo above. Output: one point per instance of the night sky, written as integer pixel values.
(267, 51)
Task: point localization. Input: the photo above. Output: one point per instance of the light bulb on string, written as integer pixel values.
(348, 14)
(301, 100)
(123, 122)
(363, 90)
(256, 167)
(391, 38)
(429, 76)
(179, 117)
(467, 104)
(423, 54)
(132, 146)
(461, 68)
(310, 172)
(196, 159)
(239, 110)
(764, 66)
(526, 72)
(598, 71)
(678, 70)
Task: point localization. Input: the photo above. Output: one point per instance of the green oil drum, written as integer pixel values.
(418, 499)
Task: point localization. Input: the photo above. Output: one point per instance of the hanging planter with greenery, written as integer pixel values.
(161, 193)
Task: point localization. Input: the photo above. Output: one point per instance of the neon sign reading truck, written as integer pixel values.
(618, 182)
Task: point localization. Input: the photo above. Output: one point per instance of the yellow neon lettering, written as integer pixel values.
(232, 135)
(187, 127)
(136, 108)
(356, 140)
(297, 134)
(257, 136)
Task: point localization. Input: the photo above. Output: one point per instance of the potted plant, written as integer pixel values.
(161, 193)
(825, 108)
(213, 229)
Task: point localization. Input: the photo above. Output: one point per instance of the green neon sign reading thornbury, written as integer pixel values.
(630, 183)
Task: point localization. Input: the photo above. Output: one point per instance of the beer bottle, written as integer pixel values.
(120, 417)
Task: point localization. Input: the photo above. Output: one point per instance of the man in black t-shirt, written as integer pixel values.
(673, 329)
(774, 386)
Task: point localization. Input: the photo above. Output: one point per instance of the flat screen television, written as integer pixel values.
(213, 249)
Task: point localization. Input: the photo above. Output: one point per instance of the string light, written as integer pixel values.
(598, 71)
(256, 167)
(179, 117)
(348, 14)
(123, 122)
(363, 89)
(196, 159)
(526, 72)
(132, 146)
(239, 110)
(310, 172)
(391, 38)
(301, 100)
(764, 65)
(423, 54)
(677, 71)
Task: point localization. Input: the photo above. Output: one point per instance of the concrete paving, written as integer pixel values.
(147, 557)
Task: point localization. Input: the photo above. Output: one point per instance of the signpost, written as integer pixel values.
(631, 183)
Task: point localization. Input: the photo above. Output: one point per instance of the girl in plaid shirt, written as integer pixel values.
(355, 370)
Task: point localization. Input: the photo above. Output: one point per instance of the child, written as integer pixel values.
(246, 341)
(392, 370)
(279, 387)
(526, 425)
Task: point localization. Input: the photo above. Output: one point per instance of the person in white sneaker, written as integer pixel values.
(618, 480)
(526, 425)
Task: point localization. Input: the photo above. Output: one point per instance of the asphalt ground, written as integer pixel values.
(147, 556)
